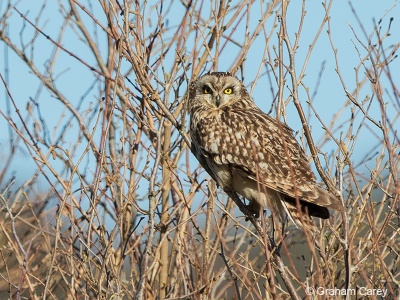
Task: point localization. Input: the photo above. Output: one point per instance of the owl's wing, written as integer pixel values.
(259, 147)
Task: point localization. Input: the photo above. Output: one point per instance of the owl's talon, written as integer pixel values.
(254, 213)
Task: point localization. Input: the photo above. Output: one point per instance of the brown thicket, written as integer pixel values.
(113, 205)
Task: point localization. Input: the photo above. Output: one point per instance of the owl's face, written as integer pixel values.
(216, 90)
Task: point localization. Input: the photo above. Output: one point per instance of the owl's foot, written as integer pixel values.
(255, 209)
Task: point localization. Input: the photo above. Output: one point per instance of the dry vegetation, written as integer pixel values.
(114, 205)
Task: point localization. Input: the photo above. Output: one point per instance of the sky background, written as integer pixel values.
(77, 82)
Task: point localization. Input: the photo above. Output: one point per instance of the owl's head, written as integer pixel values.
(216, 90)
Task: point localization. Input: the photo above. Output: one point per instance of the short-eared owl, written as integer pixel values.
(250, 153)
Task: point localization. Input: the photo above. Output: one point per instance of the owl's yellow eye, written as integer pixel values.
(228, 91)
(207, 90)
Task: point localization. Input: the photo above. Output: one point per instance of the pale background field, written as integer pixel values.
(100, 196)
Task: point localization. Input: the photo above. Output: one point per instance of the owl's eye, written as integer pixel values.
(228, 91)
(207, 90)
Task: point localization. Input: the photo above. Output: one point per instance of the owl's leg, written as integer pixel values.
(248, 210)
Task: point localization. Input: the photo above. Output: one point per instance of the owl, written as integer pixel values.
(249, 153)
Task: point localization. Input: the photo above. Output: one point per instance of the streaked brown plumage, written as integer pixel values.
(250, 153)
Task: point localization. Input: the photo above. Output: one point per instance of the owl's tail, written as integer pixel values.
(302, 217)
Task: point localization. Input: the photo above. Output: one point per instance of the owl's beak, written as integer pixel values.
(218, 100)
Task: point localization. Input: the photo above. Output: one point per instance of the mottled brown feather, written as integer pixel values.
(238, 143)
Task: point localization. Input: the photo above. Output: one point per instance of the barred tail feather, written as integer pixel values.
(299, 218)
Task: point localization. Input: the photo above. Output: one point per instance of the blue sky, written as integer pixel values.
(76, 81)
